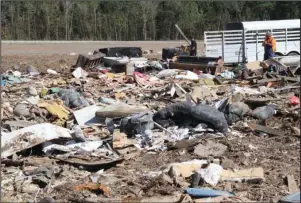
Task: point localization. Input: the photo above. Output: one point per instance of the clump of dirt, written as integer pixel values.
(154, 186)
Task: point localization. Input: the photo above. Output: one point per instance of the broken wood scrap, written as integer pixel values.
(10, 162)
(296, 130)
(185, 92)
(294, 108)
(80, 161)
(115, 111)
(259, 101)
(20, 123)
(265, 129)
(290, 72)
(280, 78)
(285, 89)
(217, 81)
(292, 185)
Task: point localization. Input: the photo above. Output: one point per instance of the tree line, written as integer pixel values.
(131, 20)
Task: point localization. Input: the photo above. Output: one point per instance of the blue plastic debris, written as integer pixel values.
(3, 83)
(291, 198)
(207, 192)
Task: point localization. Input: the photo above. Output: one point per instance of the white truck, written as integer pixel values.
(242, 42)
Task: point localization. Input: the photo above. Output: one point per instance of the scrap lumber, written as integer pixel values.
(267, 130)
(252, 175)
(260, 100)
(281, 78)
(117, 111)
(294, 108)
(292, 185)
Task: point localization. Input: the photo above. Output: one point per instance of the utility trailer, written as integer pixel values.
(242, 42)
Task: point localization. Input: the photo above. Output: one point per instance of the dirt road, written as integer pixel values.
(57, 55)
(84, 47)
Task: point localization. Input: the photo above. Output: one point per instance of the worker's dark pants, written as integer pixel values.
(192, 53)
(268, 55)
(268, 52)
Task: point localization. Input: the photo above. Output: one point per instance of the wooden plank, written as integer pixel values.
(291, 79)
(292, 185)
(117, 111)
(260, 100)
(191, 67)
(264, 129)
(290, 72)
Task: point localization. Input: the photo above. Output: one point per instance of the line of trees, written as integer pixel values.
(131, 20)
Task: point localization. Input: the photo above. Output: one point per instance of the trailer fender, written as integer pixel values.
(278, 54)
(293, 53)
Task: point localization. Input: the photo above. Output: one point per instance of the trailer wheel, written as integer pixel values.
(293, 53)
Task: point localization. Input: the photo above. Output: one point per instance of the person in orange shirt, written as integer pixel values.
(269, 45)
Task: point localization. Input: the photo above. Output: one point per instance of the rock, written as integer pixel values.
(78, 134)
(237, 97)
(22, 109)
(228, 164)
(32, 91)
(264, 112)
(30, 188)
(296, 130)
(32, 70)
(210, 149)
(50, 71)
(201, 93)
(41, 181)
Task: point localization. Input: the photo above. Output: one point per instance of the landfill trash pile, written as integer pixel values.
(134, 129)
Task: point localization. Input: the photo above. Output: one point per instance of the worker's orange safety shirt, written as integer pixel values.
(272, 41)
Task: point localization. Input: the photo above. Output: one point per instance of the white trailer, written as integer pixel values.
(242, 42)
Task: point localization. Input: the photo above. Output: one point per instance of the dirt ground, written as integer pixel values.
(85, 47)
(57, 55)
(278, 155)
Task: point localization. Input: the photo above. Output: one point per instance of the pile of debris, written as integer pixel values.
(125, 128)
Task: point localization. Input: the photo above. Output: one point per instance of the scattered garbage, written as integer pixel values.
(33, 71)
(210, 149)
(211, 174)
(72, 98)
(79, 73)
(120, 126)
(294, 100)
(53, 72)
(86, 115)
(291, 198)
(253, 175)
(264, 112)
(31, 136)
